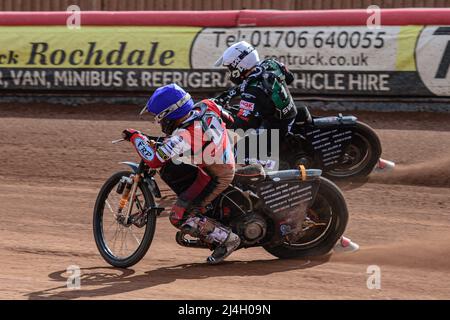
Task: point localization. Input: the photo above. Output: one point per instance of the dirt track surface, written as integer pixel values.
(54, 160)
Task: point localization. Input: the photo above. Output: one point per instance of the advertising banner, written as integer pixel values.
(411, 60)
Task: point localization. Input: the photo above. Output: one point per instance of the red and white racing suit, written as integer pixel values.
(202, 140)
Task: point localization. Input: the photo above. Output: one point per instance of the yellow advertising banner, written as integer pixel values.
(338, 60)
(96, 47)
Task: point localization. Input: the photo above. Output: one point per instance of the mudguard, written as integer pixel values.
(287, 195)
(328, 137)
(133, 165)
(150, 181)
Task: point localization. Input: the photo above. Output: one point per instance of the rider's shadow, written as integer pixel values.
(104, 282)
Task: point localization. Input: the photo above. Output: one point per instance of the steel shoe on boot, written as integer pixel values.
(346, 245)
(225, 249)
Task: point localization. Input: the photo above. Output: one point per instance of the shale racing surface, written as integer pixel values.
(54, 160)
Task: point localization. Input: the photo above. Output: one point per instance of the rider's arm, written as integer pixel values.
(253, 107)
(155, 156)
(289, 76)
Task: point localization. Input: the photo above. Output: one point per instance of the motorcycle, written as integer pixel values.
(290, 213)
(341, 146)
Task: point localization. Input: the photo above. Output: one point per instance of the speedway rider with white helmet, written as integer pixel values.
(265, 98)
(262, 85)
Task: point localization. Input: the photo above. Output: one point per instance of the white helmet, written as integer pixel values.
(238, 58)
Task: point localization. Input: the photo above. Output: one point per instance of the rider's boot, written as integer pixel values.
(346, 245)
(215, 234)
(225, 249)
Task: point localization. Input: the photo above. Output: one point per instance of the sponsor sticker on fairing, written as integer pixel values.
(145, 151)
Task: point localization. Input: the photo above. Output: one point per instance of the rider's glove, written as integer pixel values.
(222, 99)
(128, 133)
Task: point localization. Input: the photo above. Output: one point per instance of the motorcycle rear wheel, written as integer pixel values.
(329, 201)
(109, 254)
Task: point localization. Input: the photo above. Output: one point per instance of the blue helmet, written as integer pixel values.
(169, 102)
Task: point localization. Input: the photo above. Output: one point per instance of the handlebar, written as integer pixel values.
(149, 137)
(117, 141)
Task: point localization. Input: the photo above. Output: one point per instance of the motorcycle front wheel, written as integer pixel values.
(329, 214)
(123, 244)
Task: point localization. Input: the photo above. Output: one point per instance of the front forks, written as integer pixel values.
(128, 197)
(136, 180)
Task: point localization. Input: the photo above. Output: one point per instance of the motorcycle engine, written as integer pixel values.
(237, 210)
(250, 227)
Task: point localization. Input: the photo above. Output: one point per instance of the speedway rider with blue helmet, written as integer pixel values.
(181, 121)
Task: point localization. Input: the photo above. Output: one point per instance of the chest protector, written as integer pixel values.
(270, 77)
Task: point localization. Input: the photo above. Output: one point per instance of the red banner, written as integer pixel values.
(260, 18)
